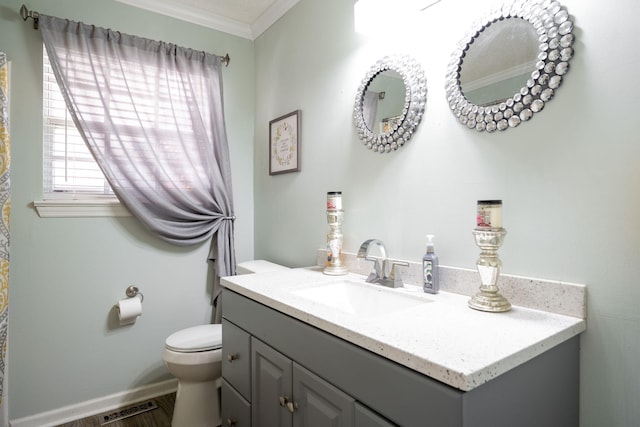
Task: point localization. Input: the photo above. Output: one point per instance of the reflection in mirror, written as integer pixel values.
(499, 61)
(389, 103)
(384, 101)
(510, 64)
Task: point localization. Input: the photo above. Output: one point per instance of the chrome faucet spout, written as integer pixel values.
(384, 269)
(378, 263)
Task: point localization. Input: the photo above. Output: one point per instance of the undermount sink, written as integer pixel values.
(361, 299)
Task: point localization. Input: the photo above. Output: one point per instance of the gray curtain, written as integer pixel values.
(370, 109)
(152, 115)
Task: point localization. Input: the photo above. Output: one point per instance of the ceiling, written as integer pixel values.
(243, 18)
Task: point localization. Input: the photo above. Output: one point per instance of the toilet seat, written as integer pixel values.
(195, 339)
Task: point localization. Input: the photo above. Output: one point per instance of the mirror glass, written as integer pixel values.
(387, 91)
(510, 65)
(389, 103)
(499, 62)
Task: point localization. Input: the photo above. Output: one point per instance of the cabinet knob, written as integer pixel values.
(292, 406)
(283, 401)
(286, 403)
(231, 422)
(232, 357)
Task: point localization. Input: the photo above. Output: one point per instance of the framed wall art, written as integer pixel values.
(284, 143)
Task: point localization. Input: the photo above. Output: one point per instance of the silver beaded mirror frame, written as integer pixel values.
(415, 99)
(554, 28)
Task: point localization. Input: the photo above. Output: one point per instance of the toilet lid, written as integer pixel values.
(197, 338)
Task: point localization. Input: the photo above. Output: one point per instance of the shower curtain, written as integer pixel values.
(5, 206)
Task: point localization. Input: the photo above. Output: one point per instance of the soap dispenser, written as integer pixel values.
(430, 268)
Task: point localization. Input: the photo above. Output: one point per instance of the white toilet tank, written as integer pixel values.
(258, 266)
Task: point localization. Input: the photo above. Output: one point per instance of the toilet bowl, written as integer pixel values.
(194, 357)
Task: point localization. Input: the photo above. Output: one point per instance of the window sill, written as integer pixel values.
(80, 208)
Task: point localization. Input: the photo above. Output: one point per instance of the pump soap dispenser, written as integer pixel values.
(430, 268)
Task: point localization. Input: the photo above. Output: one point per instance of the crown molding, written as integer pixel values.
(215, 21)
(271, 15)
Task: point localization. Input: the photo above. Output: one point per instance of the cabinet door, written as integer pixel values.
(367, 418)
(318, 403)
(236, 411)
(271, 379)
(236, 358)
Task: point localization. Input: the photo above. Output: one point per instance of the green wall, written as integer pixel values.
(569, 178)
(67, 273)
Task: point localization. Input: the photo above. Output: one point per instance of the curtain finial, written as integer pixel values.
(26, 14)
(226, 59)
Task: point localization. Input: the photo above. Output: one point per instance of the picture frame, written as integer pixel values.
(284, 143)
(388, 123)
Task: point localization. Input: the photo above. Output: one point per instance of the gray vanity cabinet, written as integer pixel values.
(236, 410)
(236, 358)
(286, 394)
(262, 387)
(318, 403)
(316, 377)
(271, 386)
(364, 417)
(236, 376)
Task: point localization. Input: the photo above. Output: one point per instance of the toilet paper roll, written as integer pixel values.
(128, 310)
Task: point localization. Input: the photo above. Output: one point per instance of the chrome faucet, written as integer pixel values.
(384, 269)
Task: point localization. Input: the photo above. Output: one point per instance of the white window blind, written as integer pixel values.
(69, 168)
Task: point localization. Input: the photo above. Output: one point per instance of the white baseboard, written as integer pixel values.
(96, 406)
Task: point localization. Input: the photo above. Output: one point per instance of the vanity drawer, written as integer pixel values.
(236, 358)
(236, 411)
(365, 417)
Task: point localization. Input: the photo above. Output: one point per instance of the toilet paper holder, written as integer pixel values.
(133, 291)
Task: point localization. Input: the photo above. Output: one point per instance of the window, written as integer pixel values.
(73, 184)
(69, 168)
(70, 172)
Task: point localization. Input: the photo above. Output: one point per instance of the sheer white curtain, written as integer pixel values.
(152, 116)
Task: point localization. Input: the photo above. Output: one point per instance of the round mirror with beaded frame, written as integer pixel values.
(554, 28)
(397, 130)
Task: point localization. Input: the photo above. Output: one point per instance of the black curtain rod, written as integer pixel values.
(26, 14)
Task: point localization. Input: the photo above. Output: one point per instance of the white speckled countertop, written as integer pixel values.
(444, 339)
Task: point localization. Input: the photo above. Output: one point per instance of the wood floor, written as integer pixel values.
(158, 417)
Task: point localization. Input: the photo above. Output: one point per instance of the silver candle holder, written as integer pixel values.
(335, 217)
(489, 299)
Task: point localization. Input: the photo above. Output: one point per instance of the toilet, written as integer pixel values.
(194, 356)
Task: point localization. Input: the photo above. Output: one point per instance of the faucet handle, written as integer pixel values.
(378, 265)
(397, 280)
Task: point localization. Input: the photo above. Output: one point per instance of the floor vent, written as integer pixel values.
(129, 411)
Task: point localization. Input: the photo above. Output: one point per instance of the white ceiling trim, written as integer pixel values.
(214, 21)
(270, 16)
(195, 16)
